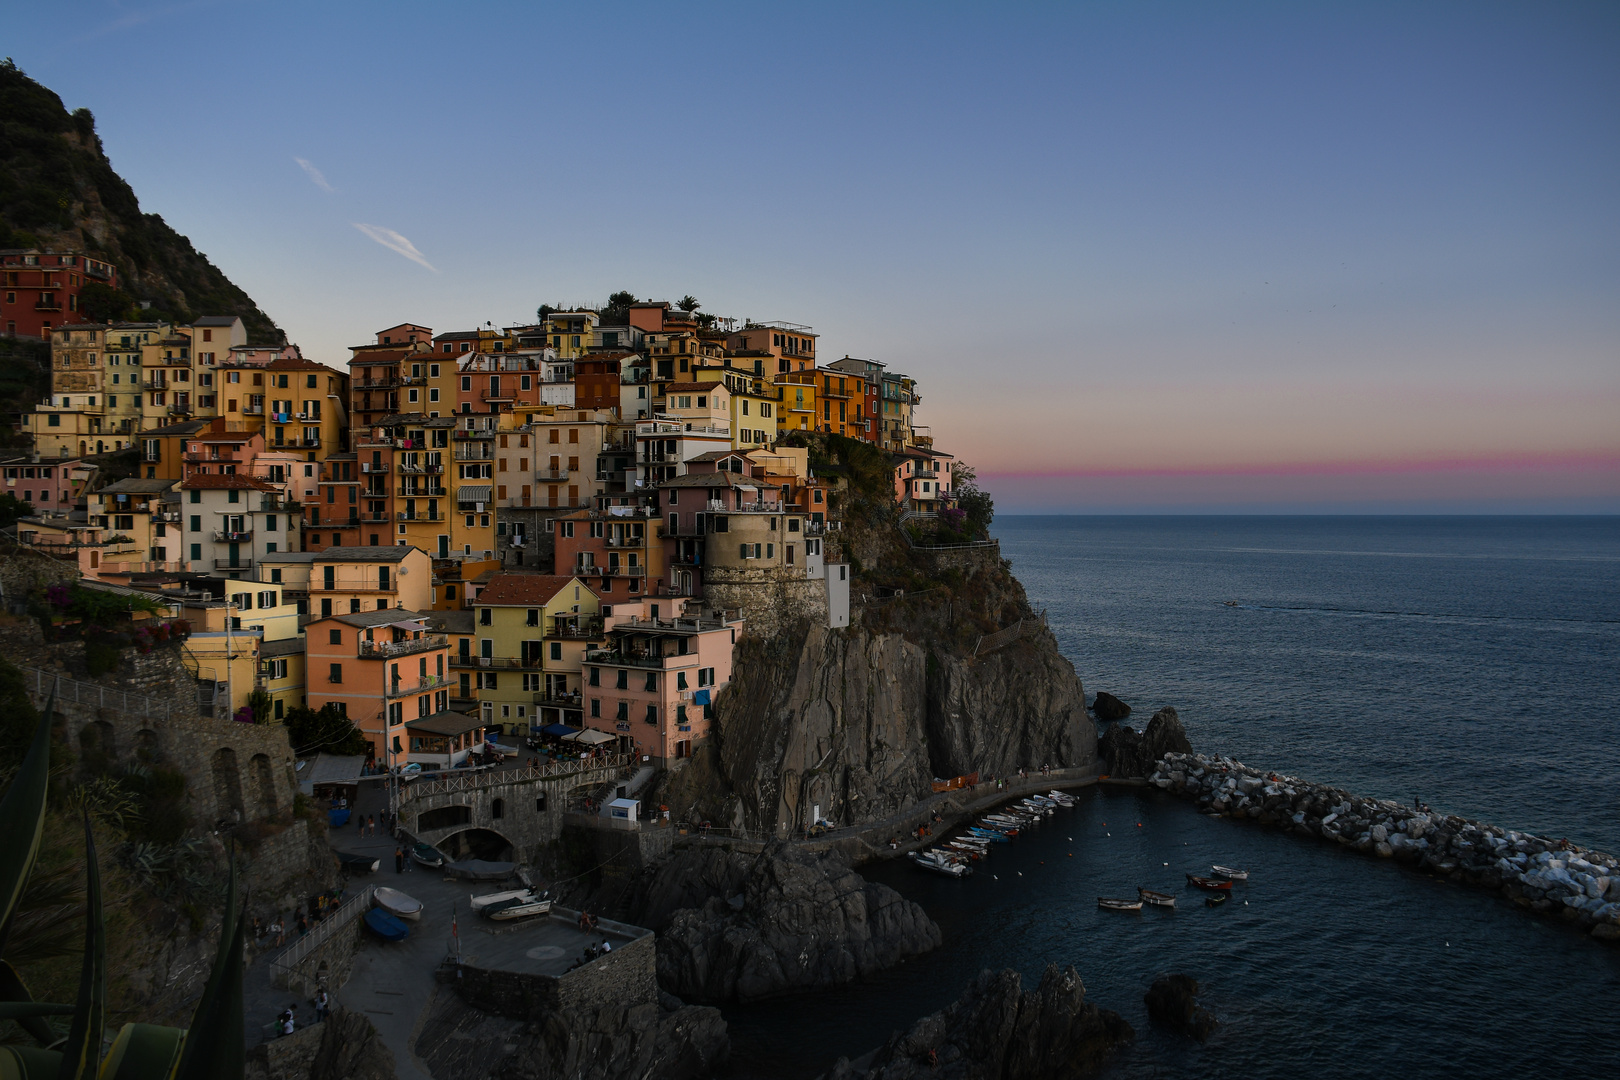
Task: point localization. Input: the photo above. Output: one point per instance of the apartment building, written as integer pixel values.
(230, 520)
(147, 514)
(529, 636)
(49, 484)
(40, 288)
(353, 579)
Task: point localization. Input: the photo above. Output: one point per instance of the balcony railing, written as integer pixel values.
(427, 468)
(423, 516)
(484, 434)
(374, 467)
(352, 585)
(374, 384)
(374, 650)
(572, 700)
(551, 474)
(589, 570)
(253, 410)
(239, 564)
(474, 452)
(223, 536)
(380, 517)
(609, 658)
(576, 627)
(405, 688)
(497, 395)
(497, 663)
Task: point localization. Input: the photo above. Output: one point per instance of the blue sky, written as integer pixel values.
(1140, 255)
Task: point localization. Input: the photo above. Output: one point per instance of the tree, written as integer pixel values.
(617, 312)
(103, 303)
(12, 508)
(689, 303)
(327, 730)
(544, 311)
(974, 501)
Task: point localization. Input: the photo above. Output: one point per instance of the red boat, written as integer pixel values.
(1212, 884)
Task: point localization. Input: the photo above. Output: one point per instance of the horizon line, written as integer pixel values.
(1517, 462)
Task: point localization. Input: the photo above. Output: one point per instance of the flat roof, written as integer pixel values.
(445, 723)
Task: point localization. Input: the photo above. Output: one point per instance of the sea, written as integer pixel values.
(1472, 662)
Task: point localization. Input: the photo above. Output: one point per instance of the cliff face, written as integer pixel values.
(857, 722)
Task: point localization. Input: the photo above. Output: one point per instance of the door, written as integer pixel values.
(236, 554)
(444, 547)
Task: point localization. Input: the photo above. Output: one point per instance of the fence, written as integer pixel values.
(71, 692)
(1005, 636)
(422, 789)
(319, 934)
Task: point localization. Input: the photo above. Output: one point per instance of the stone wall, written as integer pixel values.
(289, 866)
(770, 599)
(526, 828)
(625, 977)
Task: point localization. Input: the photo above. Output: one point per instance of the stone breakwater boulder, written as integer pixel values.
(1108, 707)
(1173, 1000)
(995, 1031)
(797, 921)
(1552, 877)
(1130, 754)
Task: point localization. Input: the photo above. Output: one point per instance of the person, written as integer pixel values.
(323, 1005)
(258, 930)
(371, 823)
(303, 924)
(584, 919)
(607, 946)
(399, 860)
(287, 1019)
(277, 931)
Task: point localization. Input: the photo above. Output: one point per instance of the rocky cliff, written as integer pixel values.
(740, 927)
(1130, 754)
(995, 1031)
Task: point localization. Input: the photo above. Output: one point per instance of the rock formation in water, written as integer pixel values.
(995, 1031)
(1130, 754)
(744, 927)
(647, 1041)
(1173, 1000)
(1108, 707)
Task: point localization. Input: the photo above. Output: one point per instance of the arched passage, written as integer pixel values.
(264, 784)
(227, 785)
(444, 817)
(477, 844)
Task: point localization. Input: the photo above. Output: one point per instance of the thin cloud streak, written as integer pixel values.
(393, 241)
(314, 174)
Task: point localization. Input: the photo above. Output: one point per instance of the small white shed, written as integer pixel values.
(625, 809)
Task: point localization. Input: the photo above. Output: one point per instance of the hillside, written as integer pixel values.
(57, 189)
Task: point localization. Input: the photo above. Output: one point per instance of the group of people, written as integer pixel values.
(274, 932)
(591, 953)
(587, 921)
(287, 1021)
(402, 862)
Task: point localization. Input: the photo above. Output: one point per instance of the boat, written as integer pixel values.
(479, 870)
(397, 904)
(427, 855)
(965, 849)
(518, 907)
(940, 864)
(385, 926)
(479, 903)
(358, 864)
(337, 818)
(1155, 899)
(1060, 797)
(1213, 884)
(1118, 905)
(1215, 901)
(989, 835)
(1231, 874)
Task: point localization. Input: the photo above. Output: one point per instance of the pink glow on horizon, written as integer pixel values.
(1503, 463)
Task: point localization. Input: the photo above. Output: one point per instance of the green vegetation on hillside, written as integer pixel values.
(57, 189)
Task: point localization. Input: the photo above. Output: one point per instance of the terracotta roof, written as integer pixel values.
(521, 590)
(381, 553)
(216, 482)
(717, 455)
(716, 480)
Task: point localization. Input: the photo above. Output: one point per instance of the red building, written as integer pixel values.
(597, 380)
(39, 290)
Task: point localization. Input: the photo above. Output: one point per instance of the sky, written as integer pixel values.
(1141, 257)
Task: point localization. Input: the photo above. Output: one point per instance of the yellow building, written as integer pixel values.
(529, 636)
(753, 404)
(301, 406)
(147, 514)
(571, 333)
(796, 402)
(343, 580)
(167, 388)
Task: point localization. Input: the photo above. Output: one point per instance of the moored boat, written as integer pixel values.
(994, 836)
(941, 864)
(1215, 901)
(1061, 798)
(385, 926)
(518, 907)
(397, 903)
(1213, 884)
(1155, 899)
(1230, 873)
(1118, 905)
(479, 903)
(427, 855)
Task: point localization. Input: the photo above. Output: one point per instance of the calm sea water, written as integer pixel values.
(1473, 661)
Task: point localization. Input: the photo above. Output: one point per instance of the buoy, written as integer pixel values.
(1167, 864)
(1108, 834)
(994, 878)
(1071, 855)
(1138, 824)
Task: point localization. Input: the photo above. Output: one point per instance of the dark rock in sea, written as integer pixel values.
(1164, 735)
(1108, 707)
(806, 921)
(1131, 754)
(1173, 1000)
(994, 1031)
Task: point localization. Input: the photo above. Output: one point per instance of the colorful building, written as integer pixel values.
(40, 289)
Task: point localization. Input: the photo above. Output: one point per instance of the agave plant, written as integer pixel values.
(211, 1049)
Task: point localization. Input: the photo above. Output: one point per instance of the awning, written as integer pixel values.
(444, 723)
(473, 493)
(590, 737)
(559, 729)
(410, 624)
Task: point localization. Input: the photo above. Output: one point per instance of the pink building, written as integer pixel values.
(51, 484)
(656, 679)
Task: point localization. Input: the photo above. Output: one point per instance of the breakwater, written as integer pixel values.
(1552, 877)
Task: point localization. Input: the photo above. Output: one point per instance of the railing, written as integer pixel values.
(72, 692)
(584, 627)
(322, 932)
(226, 564)
(496, 663)
(617, 659)
(592, 570)
(406, 689)
(422, 789)
(369, 384)
(484, 434)
(253, 410)
(285, 505)
(351, 585)
(224, 536)
(574, 700)
(420, 492)
(387, 649)
(403, 516)
(497, 395)
(551, 474)
(374, 467)
(474, 453)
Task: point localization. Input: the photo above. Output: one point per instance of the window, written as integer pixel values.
(334, 637)
(336, 674)
(680, 680)
(652, 714)
(652, 682)
(595, 677)
(196, 521)
(596, 707)
(748, 551)
(484, 616)
(623, 682)
(533, 618)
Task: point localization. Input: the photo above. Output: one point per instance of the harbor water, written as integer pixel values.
(1470, 661)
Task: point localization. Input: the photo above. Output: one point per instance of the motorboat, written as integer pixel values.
(1155, 899)
(385, 926)
(1060, 797)
(479, 903)
(967, 850)
(1212, 884)
(1230, 874)
(358, 864)
(397, 903)
(941, 864)
(427, 855)
(518, 907)
(990, 835)
(1118, 905)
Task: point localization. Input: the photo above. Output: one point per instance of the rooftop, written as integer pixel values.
(521, 590)
(366, 554)
(444, 723)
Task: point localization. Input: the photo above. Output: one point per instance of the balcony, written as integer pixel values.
(375, 518)
(239, 564)
(179, 410)
(419, 492)
(430, 468)
(497, 395)
(374, 467)
(225, 536)
(253, 410)
(413, 380)
(171, 517)
(406, 688)
(333, 523)
(47, 305)
(308, 444)
(382, 650)
(484, 434)
(204, 459)
(571, 700)
(610, 658)
(576, 627)
(424, 516)
(355, 585)
(374, 384)
(589, 570)
(497, 663)
(474, 452)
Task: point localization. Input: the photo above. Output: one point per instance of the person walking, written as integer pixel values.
(323, 1005)
(278, 931)
(371, 823)
(399, 860)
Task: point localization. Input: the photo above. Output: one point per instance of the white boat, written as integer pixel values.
(939, 864)
(397, 903)
(1155, 899)
(519, 907)
(479, 903)
(1060, 798)
(1230, 874)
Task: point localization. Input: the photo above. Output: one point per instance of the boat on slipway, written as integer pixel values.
(397, 903)
(385, 926)
(518, 907)
(427, 855)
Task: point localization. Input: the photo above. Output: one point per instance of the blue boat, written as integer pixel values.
(386, 926)
(990, 835)
(337, 818)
